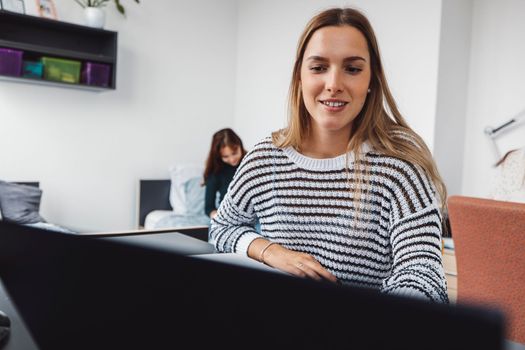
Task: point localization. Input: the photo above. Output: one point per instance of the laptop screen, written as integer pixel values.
(90, 293)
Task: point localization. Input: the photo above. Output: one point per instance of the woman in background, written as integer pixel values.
(348, 192)
(226, 152)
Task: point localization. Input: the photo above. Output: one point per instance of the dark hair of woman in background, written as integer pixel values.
(226, 152)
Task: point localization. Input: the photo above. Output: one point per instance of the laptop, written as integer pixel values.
(80, 292)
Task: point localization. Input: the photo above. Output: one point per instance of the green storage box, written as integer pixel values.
(57, 69)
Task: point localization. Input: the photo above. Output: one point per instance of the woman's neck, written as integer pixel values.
(325, 144)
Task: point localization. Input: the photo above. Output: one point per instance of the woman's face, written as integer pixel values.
(231, 156)
(335, 75)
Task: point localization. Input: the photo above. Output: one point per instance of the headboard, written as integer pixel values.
(30, 183)
(153, 195)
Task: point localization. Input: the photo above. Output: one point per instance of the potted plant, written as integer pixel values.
(94, 15)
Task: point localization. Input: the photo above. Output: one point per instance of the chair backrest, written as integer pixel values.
(489, 241)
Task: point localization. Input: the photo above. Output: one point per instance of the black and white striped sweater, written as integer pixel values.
(392, 242)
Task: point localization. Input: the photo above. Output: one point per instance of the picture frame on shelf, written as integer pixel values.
(46, 9)
(17, 6)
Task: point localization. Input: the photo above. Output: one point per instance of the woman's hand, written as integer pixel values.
(295, 263)
(213, 214)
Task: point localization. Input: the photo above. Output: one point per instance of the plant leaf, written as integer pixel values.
(120, 8)
(81, 4)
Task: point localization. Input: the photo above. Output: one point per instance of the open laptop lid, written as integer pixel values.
(88, 293)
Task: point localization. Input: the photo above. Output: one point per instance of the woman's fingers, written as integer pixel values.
(324, 273)
(296, 263)
(303, 270)
(313, 269)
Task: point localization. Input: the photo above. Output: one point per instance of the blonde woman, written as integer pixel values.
(348, 192)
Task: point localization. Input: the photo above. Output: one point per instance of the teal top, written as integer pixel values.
(218, 183)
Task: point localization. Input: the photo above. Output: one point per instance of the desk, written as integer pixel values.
(449, 264)
(172, 242)
(238, 260)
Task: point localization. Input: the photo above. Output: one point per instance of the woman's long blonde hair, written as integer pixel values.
(379, 123)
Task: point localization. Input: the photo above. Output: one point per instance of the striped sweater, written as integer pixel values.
(390, 241)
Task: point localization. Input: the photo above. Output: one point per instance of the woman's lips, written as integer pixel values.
(334, 105)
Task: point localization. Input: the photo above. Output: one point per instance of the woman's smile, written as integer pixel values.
(334, 105)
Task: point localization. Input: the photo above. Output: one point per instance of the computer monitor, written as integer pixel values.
(80, 292)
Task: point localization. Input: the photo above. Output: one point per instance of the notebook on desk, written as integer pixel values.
(90, 293)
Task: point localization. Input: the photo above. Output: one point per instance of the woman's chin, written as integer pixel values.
(334, 126)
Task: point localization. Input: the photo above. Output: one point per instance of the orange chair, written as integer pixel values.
(489, 241)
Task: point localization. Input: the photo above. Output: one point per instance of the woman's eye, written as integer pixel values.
(353, 70)
(318, 69)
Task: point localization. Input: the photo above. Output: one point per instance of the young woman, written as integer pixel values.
(226, 152)
(348, 191)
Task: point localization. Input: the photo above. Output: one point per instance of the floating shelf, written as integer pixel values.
(45, 37)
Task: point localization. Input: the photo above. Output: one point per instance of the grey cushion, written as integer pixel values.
(20, 203)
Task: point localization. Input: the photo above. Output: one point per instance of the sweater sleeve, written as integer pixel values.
(232, 230)
(415, 237)
(212, 186)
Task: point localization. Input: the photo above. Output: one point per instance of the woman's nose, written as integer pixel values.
(334, 82)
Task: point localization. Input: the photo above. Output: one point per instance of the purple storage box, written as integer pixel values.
(10, 62)
(96, 74)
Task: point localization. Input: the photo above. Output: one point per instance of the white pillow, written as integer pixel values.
(195, 193)
(179, 175)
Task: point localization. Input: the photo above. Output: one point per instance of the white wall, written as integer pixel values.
(496, 87)
(175, 87)
(408, 33)
(228, 63)
(454, 60)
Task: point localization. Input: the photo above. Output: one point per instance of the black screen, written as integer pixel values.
(89, 293)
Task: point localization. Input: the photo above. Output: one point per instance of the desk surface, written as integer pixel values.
(239, 260)
(173, 242)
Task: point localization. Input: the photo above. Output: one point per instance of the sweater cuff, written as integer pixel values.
(244, 242)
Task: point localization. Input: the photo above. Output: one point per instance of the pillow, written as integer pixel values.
(20, 203)
(195, 193)
(179, 175)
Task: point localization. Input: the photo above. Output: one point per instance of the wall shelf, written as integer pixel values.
(23, 80)
(45, 37)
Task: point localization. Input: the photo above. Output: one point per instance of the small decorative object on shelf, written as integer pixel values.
(13, 6)
(96, 74)
(66, 71)
(93, 13)
(94, 17)
(10, 62)
(34, 70)
(46, 9)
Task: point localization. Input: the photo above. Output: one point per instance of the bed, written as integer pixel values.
(20, 203)
(155, 210)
